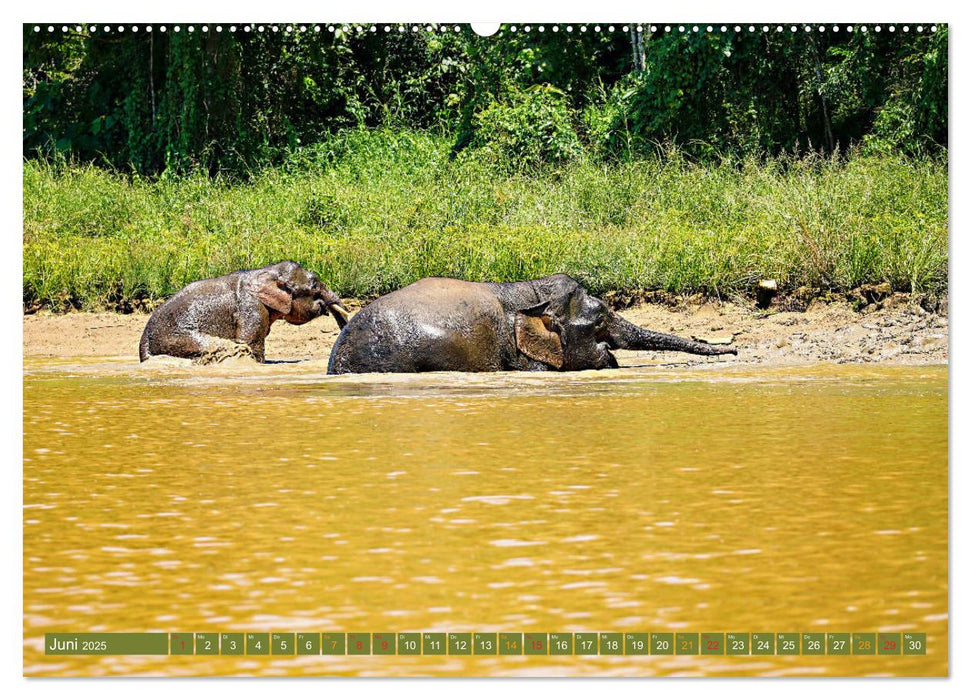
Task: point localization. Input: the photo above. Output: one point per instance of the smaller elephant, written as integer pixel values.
(230, 316)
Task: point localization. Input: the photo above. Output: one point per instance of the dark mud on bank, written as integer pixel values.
(895, 330)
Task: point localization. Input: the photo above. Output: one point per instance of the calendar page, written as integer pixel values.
(612, 349)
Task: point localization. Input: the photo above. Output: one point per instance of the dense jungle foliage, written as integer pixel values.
(153, 102)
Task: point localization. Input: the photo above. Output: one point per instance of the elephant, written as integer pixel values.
(229, 316)
(440, 324)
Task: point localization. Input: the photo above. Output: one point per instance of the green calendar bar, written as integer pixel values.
(383, 644)
(433, 644)
(864, 643)
(585, 644)
(207, 643)
(359, 643)
(813, 643)
(712, 643)
(763, 643)
(738, 644)
(187, 644)
(257, 644)
(611, 643)
(889, 643)
(459, 643)
(485, 643)
(787, 643)
(283, 643)
(409, 644)
(662, 643)
(510, 643)
(106, 643)
(181, 644)
(333, 643)
(637, 643)
(536, 644)
(838, 643)
(561, 644)
(231, 643)
(686, 643)
(915, 643)
(308, 643)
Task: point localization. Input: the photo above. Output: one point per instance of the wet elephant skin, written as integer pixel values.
(440, 324)
(231, 315)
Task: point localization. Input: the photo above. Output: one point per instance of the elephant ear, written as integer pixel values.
(271, 292)
(536, 338)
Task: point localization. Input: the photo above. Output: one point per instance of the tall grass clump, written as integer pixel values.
(371, 211)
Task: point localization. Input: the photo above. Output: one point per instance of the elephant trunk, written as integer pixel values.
(332, 303)
(624, 334)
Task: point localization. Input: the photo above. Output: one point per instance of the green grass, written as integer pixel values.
(373, 211)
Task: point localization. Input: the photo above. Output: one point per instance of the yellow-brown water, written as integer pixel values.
(277, 499)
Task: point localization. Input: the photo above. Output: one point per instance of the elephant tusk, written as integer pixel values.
(340, 314)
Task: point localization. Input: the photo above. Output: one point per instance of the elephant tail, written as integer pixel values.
(143, 353)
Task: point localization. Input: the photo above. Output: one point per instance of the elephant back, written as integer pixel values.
(435, 324)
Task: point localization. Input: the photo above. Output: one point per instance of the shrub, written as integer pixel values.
(529, 129)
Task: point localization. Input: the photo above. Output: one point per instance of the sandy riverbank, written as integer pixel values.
(895, 332)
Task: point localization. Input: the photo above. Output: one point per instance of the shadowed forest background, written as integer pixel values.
(684, 162)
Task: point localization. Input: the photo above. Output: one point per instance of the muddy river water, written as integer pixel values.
(806, 499)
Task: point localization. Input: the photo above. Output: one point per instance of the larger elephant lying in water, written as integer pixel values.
(231, 315)
(439, 324)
